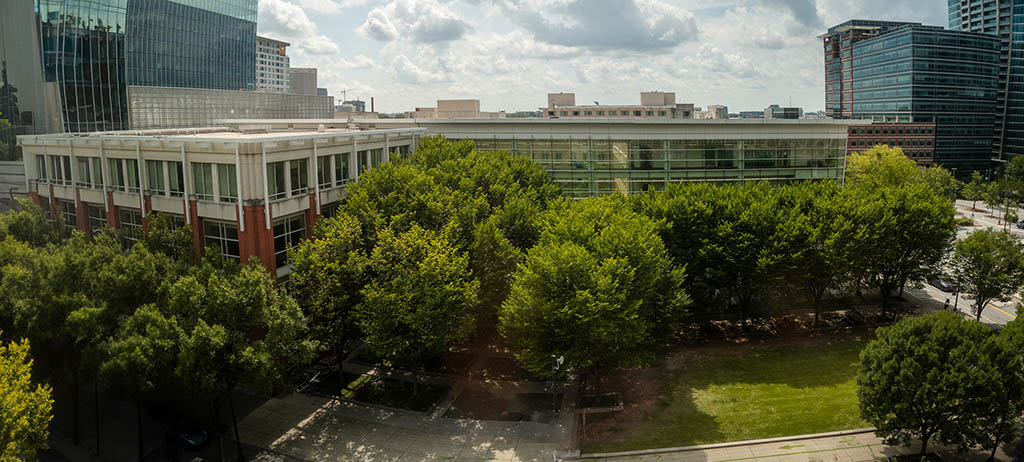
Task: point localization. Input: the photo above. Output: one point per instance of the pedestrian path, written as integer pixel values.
(313, 428)
(850, 446)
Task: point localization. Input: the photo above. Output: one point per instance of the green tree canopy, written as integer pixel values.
(25, 411)
(599, 288)
(27, 223)
(989, 265)
(921, 376)
(421, 299)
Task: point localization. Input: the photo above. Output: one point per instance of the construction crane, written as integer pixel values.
(344, 94)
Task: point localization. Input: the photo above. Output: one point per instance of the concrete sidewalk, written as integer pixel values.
(849, 446)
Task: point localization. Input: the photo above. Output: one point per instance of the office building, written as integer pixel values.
(751, 114)
(915, 139)
(776, 112)
(587, 157)
(272, 65)
(303, 81)
(100, 65)
(926, 74)
(717, 112)
(838, 43)
(247, 191)
(1005, 19)
(453, 108)
(653, 105)
(320, 91)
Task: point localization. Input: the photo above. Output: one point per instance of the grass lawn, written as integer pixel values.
(746, 392)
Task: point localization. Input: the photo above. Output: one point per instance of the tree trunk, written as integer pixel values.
(995, 447)
(234, 422)
(924, 443)
(885, 302)
(138, 425)
(974, 205)
(981, 306)
(96, 411)
(74, 402)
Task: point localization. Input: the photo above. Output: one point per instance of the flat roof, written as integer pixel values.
(221, 134)
(545, 120)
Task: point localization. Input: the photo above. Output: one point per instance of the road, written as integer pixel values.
(996, 314)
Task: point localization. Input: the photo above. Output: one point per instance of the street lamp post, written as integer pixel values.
(556, 362)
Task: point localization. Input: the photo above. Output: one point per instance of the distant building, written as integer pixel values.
(303, 81)
(909, 73)
(1006, 20)
(916, 140)
(718, 112)
(320, 91)
(359, 105)
(751, 114)
(653, 105)
(452, 109)
(776, 112)
(271, 65)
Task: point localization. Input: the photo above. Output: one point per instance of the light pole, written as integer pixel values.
(556, 362)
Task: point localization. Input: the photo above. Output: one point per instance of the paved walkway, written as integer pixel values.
(849, 447)
(320, 429)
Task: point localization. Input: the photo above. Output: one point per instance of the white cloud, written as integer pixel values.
(287, 21)
(329, 6)
(426, 21)
(406, 71)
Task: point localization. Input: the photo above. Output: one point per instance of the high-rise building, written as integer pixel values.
(909, 73)
(115, 64)
(777, 112)
(272, 65)
(321, 91)
(653, 105)
(838, 43)
(303, 81)
(1005, 19)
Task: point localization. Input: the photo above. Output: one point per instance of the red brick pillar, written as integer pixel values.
(81, 214)
(112, 216)
(147, 206)
(257, 241)
(53, 205)
(311, 216)
(197, 227)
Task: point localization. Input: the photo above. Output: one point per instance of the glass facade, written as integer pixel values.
(590, 166)
(161, 107)
(192, 43)
(94, 50)
(1004, 18)
(928, 74)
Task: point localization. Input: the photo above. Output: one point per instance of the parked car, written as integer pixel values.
(941, 285)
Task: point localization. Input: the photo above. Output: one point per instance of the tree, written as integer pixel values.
(165, 236)
(330, 271)
(28, 223)
(974, 191)
(909, 228)
(25, 412)
(881, 166)
(421, 299)
(599, 288)
(998, 422)
(941, 181)
(919, 378)
(989, 265)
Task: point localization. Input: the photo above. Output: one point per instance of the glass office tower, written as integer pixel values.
(93, 50)
(929, 74)
(1005, 19)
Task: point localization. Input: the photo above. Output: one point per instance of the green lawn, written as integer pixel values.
(749, 393)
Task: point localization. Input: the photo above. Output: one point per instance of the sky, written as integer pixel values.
(510, 53)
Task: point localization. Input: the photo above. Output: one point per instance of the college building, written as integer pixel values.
(246, 191)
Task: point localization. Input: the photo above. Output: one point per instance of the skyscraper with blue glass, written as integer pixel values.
(1003, 18)
(93, 51)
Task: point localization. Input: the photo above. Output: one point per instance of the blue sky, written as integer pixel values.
(510, 53)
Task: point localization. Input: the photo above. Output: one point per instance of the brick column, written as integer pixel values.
(197, 228)
(257, 241)
(147, 207)
(112, 216)
(311, 216)
(81, 214)
(53, 205)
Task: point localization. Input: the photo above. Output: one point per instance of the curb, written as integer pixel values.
(781, 439)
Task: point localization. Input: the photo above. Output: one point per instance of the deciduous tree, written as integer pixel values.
(989, 265)
(25, 410)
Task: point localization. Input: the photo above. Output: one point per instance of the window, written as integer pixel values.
(116, 169)
(61, 168)
(175, 179)
(275, 180)
(341, 168)
(600, 113)
(227, 183)
(132, 170)
(649, 113)
(84, 179)
(400, 151)
(588, 113)
(362, 161)
(97, 219)
(155, 176)
(323, 171)
(131, 226)
(67, 213)
(287, 233)
(661, 113)
(223, 237)
(41, 168)
(202, 181)
(636, 113)
(376, 156)
(299, 175)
